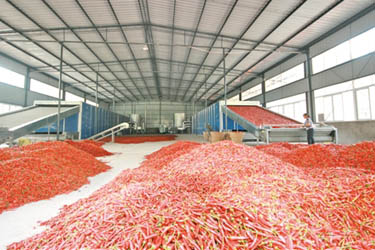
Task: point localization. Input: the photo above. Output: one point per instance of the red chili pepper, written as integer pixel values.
(225, 196)
(140, 139)
(92, 147)
(40, 171)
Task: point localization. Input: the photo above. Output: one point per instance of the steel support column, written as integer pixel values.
(63, 91)
(113, 102)
(205, 106)
(225, 90)
(97, 104)
(310, 94)
(59, 101)
(26, 85)
(159, 112)
(240, 95)
(264, 104)
(171, 53)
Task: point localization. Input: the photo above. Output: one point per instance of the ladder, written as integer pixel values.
(110, 132)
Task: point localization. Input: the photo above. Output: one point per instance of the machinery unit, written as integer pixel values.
(258, 122)
(180, 123)
(136, 123)
(75, 117)
(179, 119)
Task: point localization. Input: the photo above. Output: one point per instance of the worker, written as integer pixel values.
(208, 129)
(309, 125)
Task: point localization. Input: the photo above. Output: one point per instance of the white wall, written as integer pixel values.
(156, 113)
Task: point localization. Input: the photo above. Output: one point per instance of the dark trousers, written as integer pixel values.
(310, 136)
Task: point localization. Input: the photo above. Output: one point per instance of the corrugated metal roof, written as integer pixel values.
(161, 11)
(214, 15)
(344, 11)
(187, 13)
(201, 60)
(69, 11)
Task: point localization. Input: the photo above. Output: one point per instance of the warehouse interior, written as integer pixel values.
(170, 124)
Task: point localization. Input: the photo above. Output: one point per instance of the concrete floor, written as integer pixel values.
(23, 222)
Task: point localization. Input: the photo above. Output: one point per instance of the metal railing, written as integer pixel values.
(110, 132)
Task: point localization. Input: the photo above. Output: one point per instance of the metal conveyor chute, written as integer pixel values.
(291, 131)
(249, 126)
(24, 121)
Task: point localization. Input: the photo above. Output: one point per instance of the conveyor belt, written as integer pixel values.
(24, 121)
(15, 119)
(269, 126)
(260, 116)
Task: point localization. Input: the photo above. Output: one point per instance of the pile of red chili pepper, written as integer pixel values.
(165, 155)
(221, 196)
(140, 139)
(361, 155)
(43, 170)
(260, 116)
(92, 147)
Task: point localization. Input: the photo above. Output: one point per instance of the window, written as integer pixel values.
(43, 88)
(294, 74)
(91, 103)
(337, 110)
(363, 102)
(251, 92)
(348, 107)
(73, 98)
(293, 107)
(357, 46)
(5, 108)
(347, 101)
(12, 78)
(328, 108)
(363, 44)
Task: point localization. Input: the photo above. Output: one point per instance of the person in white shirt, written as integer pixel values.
(309, 125)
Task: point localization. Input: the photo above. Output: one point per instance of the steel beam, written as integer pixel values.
(330, 32)
(161, 60)
(251, 23)
(132, 25)
(110, 49)
(192, 42)
(105, 42)
(299, 5)
(38, 45)
(151, 77)
(143, 8)
(42, 61)
(33, 68)
(67, 25)
(129, 47)
(171, 54)
(328, 9)
(213, 43)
